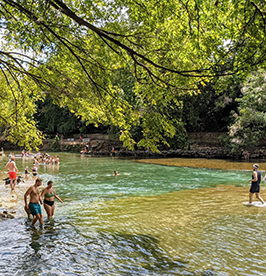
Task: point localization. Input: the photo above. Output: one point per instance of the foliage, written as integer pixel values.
(73, 51)
(54, 145)
(250, 124)
(52, 119)
(16, 112)
(210, 110)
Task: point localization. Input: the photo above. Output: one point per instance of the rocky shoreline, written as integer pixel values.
(7, 215)
(195, 152)
(101, 145)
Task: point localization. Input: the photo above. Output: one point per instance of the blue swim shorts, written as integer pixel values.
(35, 208)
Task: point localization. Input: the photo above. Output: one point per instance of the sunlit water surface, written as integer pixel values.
(149, 220)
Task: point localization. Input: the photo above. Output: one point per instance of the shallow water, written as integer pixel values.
(149, 220)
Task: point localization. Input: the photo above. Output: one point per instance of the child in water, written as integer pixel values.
(26, 171)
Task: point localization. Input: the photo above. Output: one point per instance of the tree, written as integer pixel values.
(249, 126)
(52, 119)
(16, 112)
(72, 50)
(211, 109)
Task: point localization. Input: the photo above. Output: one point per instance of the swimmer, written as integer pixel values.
(116, 173)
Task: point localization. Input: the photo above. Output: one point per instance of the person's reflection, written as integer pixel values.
(35, 244)
(38, 234)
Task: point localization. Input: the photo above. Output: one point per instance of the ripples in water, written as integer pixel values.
(153, 221)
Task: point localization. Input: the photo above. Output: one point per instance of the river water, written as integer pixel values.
(149, 220)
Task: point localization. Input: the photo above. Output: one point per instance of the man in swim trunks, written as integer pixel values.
(34, 206)
(12, 169)
(255, 184)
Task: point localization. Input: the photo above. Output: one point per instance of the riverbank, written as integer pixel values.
(100, 145)
(194, 152)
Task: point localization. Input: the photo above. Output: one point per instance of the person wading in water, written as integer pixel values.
(12, 171)
(255, 184)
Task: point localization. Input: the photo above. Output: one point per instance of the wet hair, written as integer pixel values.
(49, 182)
(38, 180)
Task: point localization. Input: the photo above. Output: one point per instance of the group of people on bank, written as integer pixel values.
(39, 157)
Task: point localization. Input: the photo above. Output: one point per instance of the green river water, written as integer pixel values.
(150, 220)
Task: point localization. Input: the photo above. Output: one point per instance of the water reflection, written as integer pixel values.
(35, 243)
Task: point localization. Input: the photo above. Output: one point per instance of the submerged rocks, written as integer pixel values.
(7, 215)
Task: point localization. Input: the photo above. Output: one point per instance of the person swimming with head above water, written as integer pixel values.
(49, 194)
(116, 173)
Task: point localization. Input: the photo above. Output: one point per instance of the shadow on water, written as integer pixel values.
(41, 242)
(147, 250)
(51, 251)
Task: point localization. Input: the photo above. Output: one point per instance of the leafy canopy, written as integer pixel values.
(74, 51)
(250, 124)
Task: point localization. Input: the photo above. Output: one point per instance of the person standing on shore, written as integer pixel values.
(34, 206)
(49, 195)
(246, 155)
(12, 172)
(255, 184)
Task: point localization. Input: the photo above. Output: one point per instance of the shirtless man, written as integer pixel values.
(34, 206)
(12, 169)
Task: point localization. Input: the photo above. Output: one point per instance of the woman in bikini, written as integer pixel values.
(34, 170)
(49, 194)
